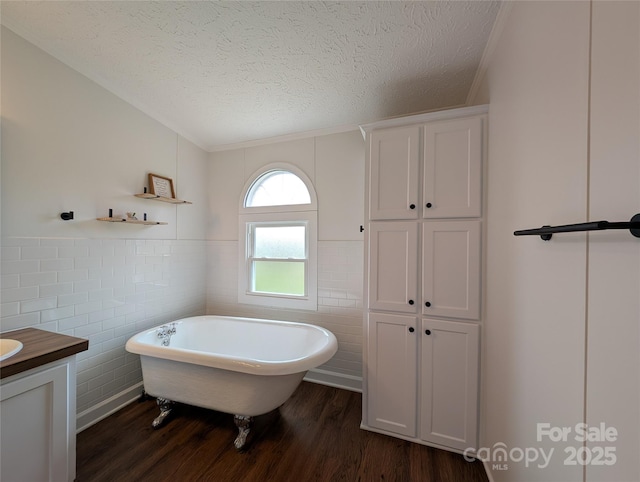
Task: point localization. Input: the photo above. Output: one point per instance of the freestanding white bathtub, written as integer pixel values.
(242, 366)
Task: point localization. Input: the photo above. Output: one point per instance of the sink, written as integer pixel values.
(9, 347)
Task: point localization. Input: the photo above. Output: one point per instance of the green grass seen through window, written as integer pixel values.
(279, 277)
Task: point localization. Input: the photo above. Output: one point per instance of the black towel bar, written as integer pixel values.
(545, 232)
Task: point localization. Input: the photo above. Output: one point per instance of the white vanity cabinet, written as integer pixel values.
(423, 271)
(38, 407)
(37, 411)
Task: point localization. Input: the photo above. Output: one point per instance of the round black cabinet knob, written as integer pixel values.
(412, 206)
(410, 302)
(427, 332)
(411, 329)
(429, 205)
(427, 304)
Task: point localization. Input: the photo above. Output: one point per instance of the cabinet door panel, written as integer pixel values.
(452, 169)
(392, 373)
(395, 160)
(451, 269)
(35, 417)
(393, 266)
(449, 394)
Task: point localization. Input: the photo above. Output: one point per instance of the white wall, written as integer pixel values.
(68, 144)
(71, 145)
(561, 339)
(335, 165)
(613, 289)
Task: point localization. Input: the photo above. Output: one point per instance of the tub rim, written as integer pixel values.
(238, 364)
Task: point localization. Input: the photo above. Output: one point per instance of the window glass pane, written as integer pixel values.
(279, 242)
(279, 277)
(278, 188)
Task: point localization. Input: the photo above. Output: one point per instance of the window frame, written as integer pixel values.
(281, 215)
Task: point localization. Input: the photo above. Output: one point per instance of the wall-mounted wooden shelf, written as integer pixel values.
(145, 195)
(129, 221)
(155, 197)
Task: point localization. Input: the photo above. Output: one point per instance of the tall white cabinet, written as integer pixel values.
(423, 271)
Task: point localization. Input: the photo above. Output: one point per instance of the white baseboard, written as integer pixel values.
(93, 415)
(333, 379)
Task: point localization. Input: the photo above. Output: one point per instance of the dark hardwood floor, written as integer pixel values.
(314, 436)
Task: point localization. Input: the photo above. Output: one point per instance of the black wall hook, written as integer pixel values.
(545, 232)
(66, 216)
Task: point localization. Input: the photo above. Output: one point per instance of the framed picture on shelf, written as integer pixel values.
(161, 186)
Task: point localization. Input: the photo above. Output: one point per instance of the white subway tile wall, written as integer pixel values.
(104, 290)
(340, 300)
(108, 290)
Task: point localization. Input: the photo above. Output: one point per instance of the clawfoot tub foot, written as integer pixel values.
(166, 406)
(244, 427)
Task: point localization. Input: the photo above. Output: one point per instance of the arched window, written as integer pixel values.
(278, 240)
(277, 188)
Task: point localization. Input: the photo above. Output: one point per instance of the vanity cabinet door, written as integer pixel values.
(452, 169)
(392, 345)
(393, 266)
(449, 393)
(394, 163)
(38, 433)
(451, 269)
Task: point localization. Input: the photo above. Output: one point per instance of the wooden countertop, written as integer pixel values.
(40, 347)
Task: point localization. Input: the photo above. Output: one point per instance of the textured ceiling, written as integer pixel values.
(221, 73)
